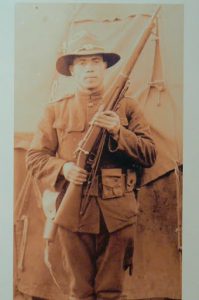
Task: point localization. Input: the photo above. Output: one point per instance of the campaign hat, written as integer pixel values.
(84, 43)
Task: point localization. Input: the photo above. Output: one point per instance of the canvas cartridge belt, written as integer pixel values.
(112, 183)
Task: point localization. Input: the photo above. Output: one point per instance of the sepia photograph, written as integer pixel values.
(98, 151)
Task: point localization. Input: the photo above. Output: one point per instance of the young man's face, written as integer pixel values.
(88, 71)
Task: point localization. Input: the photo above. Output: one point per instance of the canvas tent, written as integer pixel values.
(156, 82)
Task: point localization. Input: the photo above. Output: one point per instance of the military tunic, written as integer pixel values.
(63, 126)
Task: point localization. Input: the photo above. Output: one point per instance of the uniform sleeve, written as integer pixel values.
(41, 157)
(136, 139)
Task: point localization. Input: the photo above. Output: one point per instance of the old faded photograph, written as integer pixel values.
(98, 151)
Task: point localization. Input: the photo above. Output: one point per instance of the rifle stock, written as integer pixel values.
(69, 210)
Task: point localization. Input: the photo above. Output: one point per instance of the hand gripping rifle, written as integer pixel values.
(72, 204)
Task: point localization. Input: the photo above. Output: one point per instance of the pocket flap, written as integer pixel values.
(112, 177)
(70, 125)
(112, 181)
(111, 172)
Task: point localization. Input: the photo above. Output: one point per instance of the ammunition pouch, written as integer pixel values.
(112, 183)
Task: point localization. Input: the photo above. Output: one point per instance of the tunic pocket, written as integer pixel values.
(113, 184)
(69, 128)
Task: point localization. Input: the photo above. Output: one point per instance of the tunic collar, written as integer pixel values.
(89, 96)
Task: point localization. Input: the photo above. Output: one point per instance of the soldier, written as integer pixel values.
(97, 251)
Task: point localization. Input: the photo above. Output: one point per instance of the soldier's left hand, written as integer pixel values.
(108, 120)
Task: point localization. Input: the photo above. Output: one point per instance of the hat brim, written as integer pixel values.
(63, 62)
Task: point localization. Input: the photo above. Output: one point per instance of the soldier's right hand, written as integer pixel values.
(74, 174)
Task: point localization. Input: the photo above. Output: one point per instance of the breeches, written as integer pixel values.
(96, 262)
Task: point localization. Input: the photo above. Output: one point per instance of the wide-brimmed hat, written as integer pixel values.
(84, 43)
